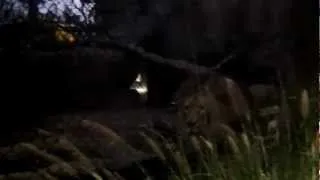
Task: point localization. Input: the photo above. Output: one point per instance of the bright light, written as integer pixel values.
(142, 90)
(140, 85)
(139, 78)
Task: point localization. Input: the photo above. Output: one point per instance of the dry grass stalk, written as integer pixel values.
(304, 104)
(155, 147)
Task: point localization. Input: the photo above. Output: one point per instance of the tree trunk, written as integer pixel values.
(33, 10)
(306, 48)
(306, 61)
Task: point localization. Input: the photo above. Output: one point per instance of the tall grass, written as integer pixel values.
(251, 157)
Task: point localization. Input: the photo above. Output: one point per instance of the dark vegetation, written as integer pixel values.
(211, 73)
